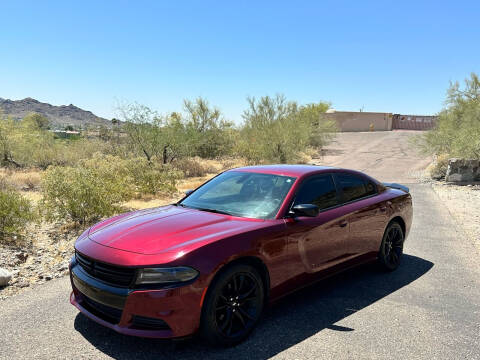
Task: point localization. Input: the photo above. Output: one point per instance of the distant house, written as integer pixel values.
(379, 121)
(66, 134)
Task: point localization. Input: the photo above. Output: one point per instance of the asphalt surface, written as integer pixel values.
(386, 155)
(429, 308)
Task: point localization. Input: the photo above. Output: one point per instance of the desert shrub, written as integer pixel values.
(24, 179)
(152, 178)
(15, 211)
(97, 187)
(191, 167)
(457, 132)
(438, 169)
(80, 194)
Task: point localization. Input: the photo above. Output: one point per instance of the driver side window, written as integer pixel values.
(319, 190)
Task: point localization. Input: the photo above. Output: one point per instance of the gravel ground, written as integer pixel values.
(40, 256)
(463, 203)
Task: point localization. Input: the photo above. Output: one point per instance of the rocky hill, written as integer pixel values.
(59, 116)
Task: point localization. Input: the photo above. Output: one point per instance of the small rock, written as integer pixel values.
(22, 256)
(22, 283)
(63, 267)
(5, 277)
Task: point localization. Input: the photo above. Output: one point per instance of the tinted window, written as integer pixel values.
(371, 188)
(354, 187)
(319, 191)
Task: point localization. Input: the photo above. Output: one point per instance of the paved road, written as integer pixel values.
(428, 309)
(385, 155)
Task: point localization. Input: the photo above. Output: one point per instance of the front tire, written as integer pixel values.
(391, 249)
(233, 305)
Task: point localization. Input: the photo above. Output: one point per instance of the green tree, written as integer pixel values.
(457, 132)
(8, 139)
(322, 129)
(38, 121)
(277, 130)
(207, 130)
(143, 128)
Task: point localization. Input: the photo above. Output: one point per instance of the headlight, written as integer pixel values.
(166, 275)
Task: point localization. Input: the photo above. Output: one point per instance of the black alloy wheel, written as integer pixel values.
(233, 306)
(391, 249)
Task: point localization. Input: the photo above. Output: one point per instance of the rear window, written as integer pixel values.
(319, 191)
(355, 187)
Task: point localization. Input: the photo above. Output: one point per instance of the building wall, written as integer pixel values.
(361, 121)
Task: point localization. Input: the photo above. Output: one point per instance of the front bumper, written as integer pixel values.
(155, 313)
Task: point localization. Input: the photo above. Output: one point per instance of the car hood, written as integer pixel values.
(166, 229)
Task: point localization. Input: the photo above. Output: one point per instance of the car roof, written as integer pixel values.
(283, 169)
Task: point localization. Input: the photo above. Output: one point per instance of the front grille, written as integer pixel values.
(114, 275)
(104, 312)
(147, 323)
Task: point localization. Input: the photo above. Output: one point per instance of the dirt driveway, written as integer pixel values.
(385, 155)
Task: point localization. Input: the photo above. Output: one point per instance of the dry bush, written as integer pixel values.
(80, 194)
(194, 167)
(15, 211)
(25, 180)
(304, 157)
(438, 169)
(231, 163)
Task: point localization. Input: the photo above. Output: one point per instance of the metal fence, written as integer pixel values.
(413, 122)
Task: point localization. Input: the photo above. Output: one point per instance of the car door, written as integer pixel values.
(319, 242)
(366, 213)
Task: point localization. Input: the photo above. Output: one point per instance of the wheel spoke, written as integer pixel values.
(250, 298)
(240, 317)
(245, 313)
(394, 257)
(248, 293)
(228, 320)
(221, 307)
(394, 234)
(240, 285)
(234, 280)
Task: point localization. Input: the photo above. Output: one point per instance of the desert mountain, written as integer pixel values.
(59, 116)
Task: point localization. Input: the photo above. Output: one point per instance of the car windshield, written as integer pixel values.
(244, 194)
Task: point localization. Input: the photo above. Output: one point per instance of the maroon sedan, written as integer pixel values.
(212, 261)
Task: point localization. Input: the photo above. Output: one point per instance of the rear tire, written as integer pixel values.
(233, 306)
(391, 249)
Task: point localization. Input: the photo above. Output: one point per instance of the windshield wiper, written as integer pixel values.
(215, 211)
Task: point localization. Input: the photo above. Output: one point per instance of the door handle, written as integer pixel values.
(343, 224)
(382, 209)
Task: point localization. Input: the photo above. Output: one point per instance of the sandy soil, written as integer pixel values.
(463, 203)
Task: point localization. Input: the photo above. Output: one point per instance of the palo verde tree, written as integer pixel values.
(457, 133)
(277, 130)
(207, 130)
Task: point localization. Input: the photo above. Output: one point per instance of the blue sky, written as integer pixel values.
(392, 56)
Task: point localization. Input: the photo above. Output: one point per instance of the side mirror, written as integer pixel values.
(188, 192)
(309, 210)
